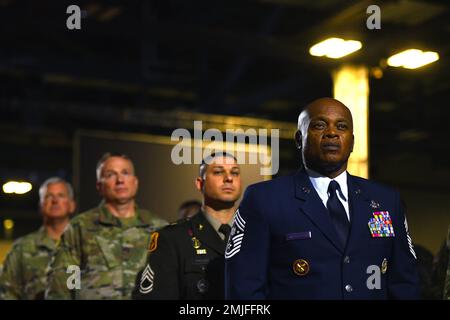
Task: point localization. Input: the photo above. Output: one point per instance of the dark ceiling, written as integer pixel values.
(133, 61)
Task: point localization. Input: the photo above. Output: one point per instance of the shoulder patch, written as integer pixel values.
(153, 242)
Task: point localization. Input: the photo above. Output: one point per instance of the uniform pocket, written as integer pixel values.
(195, 267)
(107, 250)
(381, 241)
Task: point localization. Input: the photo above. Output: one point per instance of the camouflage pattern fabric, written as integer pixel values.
(25, 269)
(447, 279)
(109, 252)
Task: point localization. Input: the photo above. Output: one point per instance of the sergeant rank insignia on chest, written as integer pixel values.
(381, 225)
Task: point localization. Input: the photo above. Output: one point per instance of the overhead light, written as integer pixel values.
(335, 48)
(17, 187)
(412, 58)
(8, 224)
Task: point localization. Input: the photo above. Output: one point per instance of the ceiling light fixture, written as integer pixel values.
(412, 58)
(335, 48)
(17, 187)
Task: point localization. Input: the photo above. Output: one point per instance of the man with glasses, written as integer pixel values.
(24, 274)
(107, 244)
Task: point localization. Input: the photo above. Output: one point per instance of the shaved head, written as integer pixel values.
(325, 136)
(304, 116)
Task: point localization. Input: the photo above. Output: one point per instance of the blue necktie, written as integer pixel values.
(337, 212)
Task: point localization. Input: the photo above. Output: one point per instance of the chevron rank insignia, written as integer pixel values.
(408, 237)
(236, 236)
(147, 279)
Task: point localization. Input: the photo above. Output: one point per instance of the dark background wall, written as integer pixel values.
(163, 185)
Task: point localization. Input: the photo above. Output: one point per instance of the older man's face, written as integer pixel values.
(328, 141)
(57, 202)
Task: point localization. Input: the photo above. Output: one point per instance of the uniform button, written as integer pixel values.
(202, 285)
(348, 288)
(347, 259)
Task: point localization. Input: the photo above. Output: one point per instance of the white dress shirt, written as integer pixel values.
(321, 183)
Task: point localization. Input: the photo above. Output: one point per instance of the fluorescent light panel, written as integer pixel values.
(335, 48)
(412, 58)
(17, 187)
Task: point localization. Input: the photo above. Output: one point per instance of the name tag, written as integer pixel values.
(298, 236)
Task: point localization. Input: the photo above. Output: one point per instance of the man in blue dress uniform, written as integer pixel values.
(321, 233)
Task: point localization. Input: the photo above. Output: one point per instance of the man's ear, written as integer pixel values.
(298, 139)
(98, 186)
(72, 206)
(199, 184)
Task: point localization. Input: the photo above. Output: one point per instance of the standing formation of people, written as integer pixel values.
(109, 242)
(320, 233)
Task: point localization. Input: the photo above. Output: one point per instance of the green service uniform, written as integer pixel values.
(185, 261)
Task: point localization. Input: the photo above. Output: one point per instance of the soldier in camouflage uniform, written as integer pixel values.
(107, 243)
(447, 279)
(24, 274)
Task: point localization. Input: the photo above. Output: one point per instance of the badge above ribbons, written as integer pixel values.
(381, 225)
